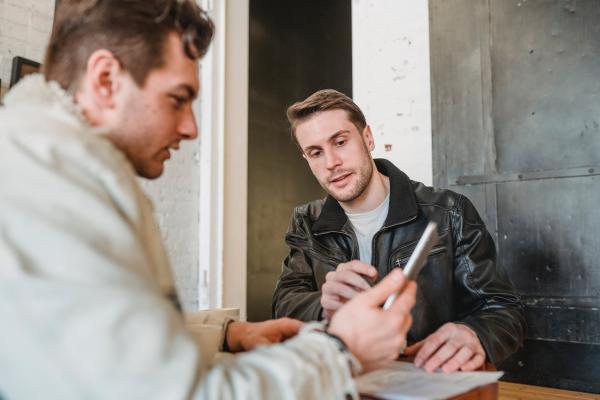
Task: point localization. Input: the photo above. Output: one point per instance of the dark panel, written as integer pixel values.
(483, 198)
(547, 363)
(548, 236)
(293, 52)
(531, 168)
(460, 89)
(563, 319)
(546, 64)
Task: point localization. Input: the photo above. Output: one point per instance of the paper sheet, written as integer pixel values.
(404, 381)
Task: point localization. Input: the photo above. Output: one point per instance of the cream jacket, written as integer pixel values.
(85, 281)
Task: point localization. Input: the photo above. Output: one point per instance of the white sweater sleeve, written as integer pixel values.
(110, 340)
(83, 312)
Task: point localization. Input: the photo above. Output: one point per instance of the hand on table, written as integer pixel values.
(243, 336)
(453, 347)
(343, 284)
(376, 336)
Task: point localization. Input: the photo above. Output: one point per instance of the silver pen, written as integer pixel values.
(417, 260)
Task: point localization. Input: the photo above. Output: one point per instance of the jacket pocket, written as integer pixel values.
(401, 257)
(333, 260)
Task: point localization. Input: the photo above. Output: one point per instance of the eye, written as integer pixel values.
(178, 101)
(340, 142)
(314, 153)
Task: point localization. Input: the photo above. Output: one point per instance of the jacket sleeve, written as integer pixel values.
(296, 294)
(487, 300)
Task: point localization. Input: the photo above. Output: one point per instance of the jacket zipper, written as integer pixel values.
(404, 259)
(376, 235)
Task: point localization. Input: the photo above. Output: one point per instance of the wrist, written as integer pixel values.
(233, 335)
(339, 341)
(333, 331)
(353, 363)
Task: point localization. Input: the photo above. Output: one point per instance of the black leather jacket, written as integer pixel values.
(460, 283)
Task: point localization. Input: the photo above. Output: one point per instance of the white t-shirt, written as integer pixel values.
(366, 225)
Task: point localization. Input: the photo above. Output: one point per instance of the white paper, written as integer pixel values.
(404, 381)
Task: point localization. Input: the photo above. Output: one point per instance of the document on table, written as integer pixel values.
(404, 381)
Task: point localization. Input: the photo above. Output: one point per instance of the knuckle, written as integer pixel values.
(435, 360)
(452, 347)
(448, 327)
(343, 266)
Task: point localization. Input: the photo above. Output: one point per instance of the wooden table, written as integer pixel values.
(517, 391)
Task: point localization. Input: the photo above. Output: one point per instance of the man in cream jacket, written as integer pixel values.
(87, 304)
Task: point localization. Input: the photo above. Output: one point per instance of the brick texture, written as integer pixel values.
(25, 27)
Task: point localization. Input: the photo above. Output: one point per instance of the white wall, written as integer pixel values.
(25, 27)
(391, 80)
(235, 223)
(176, 199)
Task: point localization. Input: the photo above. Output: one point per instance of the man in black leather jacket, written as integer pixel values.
(467, 309)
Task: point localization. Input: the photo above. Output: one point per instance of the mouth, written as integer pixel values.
(166, 153)
(340, 179)
(167, 150)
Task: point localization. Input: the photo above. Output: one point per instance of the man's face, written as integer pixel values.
(154, 119)
(337, 153)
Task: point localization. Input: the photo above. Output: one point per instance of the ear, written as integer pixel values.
(368, 138)
(102, 79)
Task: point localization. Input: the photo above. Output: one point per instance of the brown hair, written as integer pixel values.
(324, 100)
(135, 31)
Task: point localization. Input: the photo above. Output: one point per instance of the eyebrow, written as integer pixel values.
(330, 139)
(191, 92)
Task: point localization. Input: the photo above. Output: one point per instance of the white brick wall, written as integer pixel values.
(25, 27)
(176, 200)
(391, 80)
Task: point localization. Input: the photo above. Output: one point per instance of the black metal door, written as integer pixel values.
(516, 127)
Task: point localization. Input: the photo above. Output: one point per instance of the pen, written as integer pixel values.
(417, 259)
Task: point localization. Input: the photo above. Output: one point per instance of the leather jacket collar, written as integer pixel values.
(403, 205)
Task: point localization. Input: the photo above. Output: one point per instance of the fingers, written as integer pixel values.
(288, 327)
(431, 344)
(331, 303)
(440, 357)
(414, 348)
(388, 285)
(359, 267)
(458, 360)
(452, 347)
(474, 364)
(251, 343)
(405, 301)
(352, 278)
(340, 290)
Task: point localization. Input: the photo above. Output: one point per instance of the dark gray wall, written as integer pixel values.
(296, 48)
(516, 111)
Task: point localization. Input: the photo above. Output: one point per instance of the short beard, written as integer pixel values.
(365, 173)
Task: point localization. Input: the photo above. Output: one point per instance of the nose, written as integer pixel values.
(332, 159)
(187, 125)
